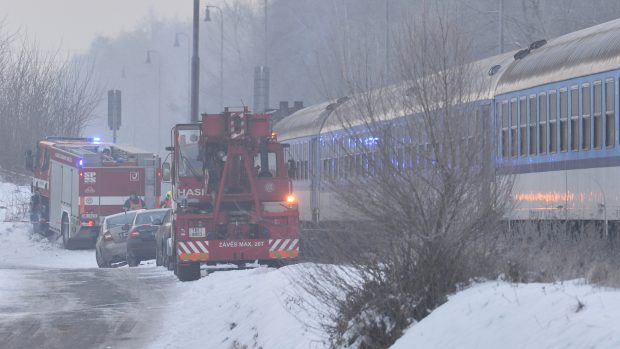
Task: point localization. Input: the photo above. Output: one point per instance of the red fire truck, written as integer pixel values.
(232, 193)
(78, 181)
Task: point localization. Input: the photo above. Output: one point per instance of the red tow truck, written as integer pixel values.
(78, 181)
(232, 192)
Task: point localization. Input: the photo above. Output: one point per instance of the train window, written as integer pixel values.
(586, 120)
(304, 170)
(523, 126)
(553, 122)
(324, 170)
(513, 128)
(542, 129)
(598, 127)
(574, 119)
(609, 113)
(533, 123)
(505, 127)
(336, 168)
(421, 151)
(563, 120)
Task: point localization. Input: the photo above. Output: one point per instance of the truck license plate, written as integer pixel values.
(197, 232)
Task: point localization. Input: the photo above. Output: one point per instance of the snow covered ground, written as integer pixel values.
(503, 315)
(252, 308)
(19, 247)
(259, 308)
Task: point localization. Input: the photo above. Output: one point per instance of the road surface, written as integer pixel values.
(81, 308)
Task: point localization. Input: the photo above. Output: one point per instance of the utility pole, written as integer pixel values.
(265, 44)
(501, 26)
(387, 40)
(195, 64)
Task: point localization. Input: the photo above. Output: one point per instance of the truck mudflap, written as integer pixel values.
(237, 250)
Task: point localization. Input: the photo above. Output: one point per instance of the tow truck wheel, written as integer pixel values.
(188, 272)
(64, 231)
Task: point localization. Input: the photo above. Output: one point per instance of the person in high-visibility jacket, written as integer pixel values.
(134, 203)
(167, 203)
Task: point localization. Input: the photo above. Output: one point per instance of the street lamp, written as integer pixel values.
(208, 19)
(148, 61)
(189, 66)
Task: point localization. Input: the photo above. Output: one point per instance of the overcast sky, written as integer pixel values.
(72, 24)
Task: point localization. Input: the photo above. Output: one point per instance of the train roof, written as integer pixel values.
(588, 51)
(332, 115)
(584, 52)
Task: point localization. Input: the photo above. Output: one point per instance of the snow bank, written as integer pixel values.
(502, 315)
(19, 246)
(256, 308)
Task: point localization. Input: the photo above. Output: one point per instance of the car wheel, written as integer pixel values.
(158, 256)
(98, 258)
(188, 272)
(132, 261)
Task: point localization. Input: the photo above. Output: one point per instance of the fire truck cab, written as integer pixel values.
(78, 181)
(232, 194)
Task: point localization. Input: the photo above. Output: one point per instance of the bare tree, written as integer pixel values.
(40, 95)
(414, 178)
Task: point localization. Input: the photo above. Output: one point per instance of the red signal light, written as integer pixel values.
(107, 236)
(134, 234)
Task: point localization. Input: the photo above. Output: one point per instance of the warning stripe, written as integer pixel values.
(193, 251)
(185, 257)
(283, 248)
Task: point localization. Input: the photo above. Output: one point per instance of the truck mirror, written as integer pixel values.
(291, 168)
(165, 172)
(29, 160)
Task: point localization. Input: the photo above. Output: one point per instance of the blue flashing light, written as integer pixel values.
(96, 140)
(371, 140)
(81, 162)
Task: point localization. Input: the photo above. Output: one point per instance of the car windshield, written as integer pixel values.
(120, 219)
(151, 217)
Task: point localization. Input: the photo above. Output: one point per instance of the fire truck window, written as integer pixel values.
(190, 163)
(273, 164)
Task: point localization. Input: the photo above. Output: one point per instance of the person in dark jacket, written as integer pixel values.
(134, 203)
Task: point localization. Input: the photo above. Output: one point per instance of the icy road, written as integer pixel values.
(81, 308)
(54, 298)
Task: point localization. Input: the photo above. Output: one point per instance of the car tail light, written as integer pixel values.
(88, 223)
(134, 234)
(107, 236)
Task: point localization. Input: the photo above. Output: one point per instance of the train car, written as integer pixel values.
(553, 120)
(325, 152)
(556, 116)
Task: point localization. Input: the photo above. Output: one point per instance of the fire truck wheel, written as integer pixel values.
(188, 272)
(64, 231)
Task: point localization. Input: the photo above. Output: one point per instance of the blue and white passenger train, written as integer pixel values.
(553, 112)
